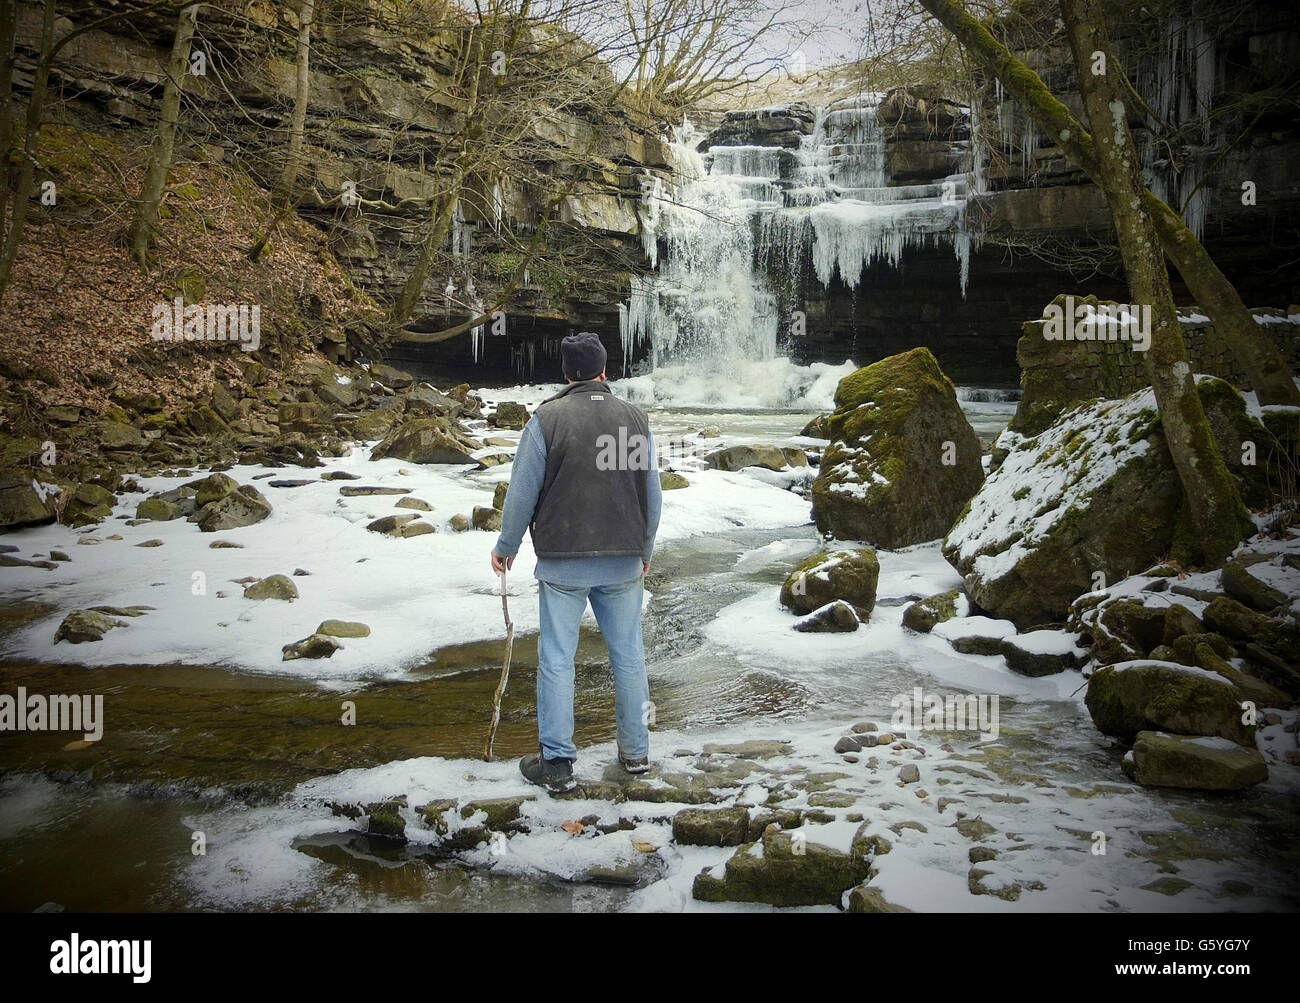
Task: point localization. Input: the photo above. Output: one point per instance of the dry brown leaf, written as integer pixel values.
(572, 827)
(642, 846)
(80, 743)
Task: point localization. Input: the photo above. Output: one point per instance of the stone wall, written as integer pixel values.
(1056, 374)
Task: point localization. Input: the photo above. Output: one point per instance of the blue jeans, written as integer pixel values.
(618, 613)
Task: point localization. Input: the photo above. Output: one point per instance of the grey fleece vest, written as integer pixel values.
(594, 499)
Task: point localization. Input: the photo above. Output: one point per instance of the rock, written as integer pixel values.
(83, 625)
(59, 555)
(150, 543)
(329, 390)
(924, 614)
(1131, 697)
(850, 575)
(502, 813)
(670, 480)
(426, 440)
(361, 491)
(1272, 641)
(241, 507)
(848, 744)
(416, 504)
(739, 457)
(459, 523)
(385, 820)
(1093, 492)
(782, 871)
(89, 503)
(343, 628)
(21, 503)
(910, 773)
(375, 424)
(1179, 621)
(157, 509)
(711, 826)
(1241, 585)
(818, 428)
(1020, 657)
(834, 617)
(273, 587)
(427, 401)
(511, 415)
(499, 495)
(752, 749)
(903, 460)
(389, 376)
(863, 727)
(118, 435)
(401, 526)
(1202, 763)
(866, 898)
(486, 518)
(315, 646)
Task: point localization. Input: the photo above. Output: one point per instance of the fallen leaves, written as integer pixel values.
(572, 827)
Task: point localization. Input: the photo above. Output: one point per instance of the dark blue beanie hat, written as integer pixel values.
(582, 356)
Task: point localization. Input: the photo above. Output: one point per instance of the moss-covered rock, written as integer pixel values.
(711, 826)
(90, 503)
(85, 625)
(835, 617)
(670, 480)
(273, 587)
(1212, 764)
(1131, 697)
(241, 507)
(768, 457)
(1094, 493)
(782, 869)
(426, 440)
(850, 575)
(924, 614)
(903, 460)
(23, 500)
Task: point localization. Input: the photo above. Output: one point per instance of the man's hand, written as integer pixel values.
(500, 565)
(645, 568)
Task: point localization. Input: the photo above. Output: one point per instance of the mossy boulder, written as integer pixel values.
(835, 617)
(903, 460)
(314, 646)
(487, 519)
(426, 440)
(499, 495)
(783, 869)
(1240, 584)
(90, 503)
(343, 628)
(670, 480)
(818, 428)
(1201, 763)
(925, 614)
(84, 625)
(24, 501)
(850, 575)
(768, 457)
(241, 507)
(511, 415)
(273, 587)
(711, 826)
(1094, 493)
(1139, 696)
(157, 509)
(375, 424)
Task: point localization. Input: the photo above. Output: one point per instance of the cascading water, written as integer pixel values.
(738, 216)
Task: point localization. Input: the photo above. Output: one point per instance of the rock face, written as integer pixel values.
(1093, 493)
(20, 503)
(784, 125)
(1212, 764)
(850, 575)
(903, 460)
(426, 440)
(1130, 697)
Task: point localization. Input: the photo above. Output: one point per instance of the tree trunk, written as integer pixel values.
(1258, 356)
(293, 163)
(1213, 519)
(31, 140)
(140, 233)
(8, 27)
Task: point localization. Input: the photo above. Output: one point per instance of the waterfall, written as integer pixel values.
(737, 217)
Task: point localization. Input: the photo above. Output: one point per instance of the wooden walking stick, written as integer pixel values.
(505, 674)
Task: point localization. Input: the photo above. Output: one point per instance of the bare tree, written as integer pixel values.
(140, 232)
(1213, 519)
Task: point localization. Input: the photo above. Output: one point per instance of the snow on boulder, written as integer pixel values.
(1130, 697)
(850, 575)
(1093, 494)
(903, 460)
(1208, 764)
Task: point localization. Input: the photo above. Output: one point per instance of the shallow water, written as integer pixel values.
(211, 747)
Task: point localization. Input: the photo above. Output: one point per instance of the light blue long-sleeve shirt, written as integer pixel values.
(526, 481)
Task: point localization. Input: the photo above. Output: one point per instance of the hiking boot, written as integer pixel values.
(556, 775)
(633, 764)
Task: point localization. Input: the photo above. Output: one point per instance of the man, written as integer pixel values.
(586, 485)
